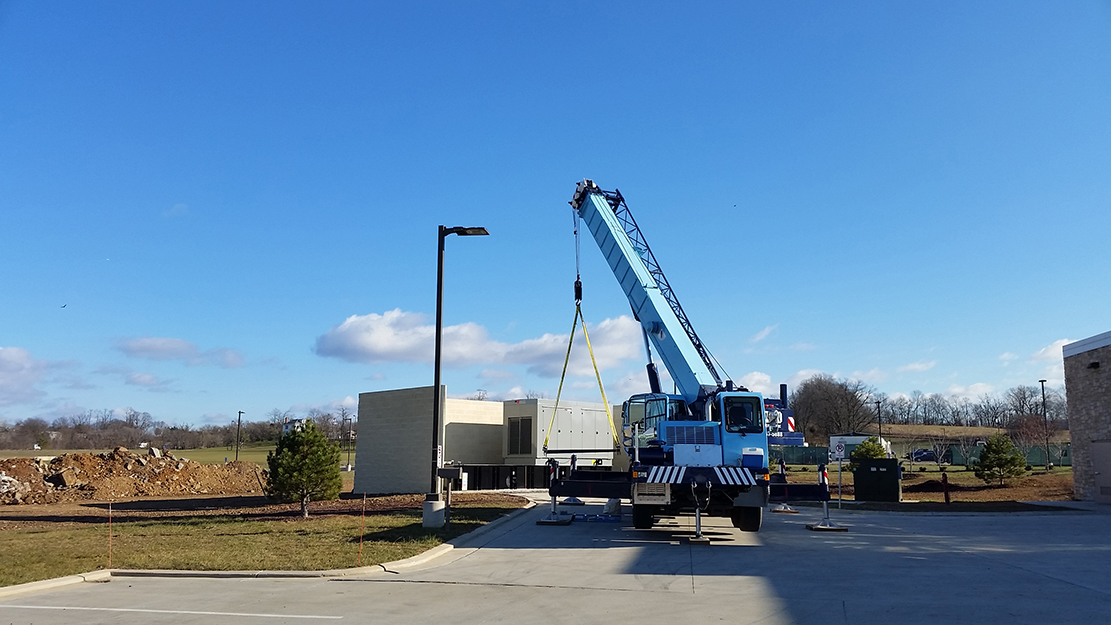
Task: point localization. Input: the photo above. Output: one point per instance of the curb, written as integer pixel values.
(106, 575)
(58, 582)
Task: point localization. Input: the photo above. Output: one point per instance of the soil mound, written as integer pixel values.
(933, 486)
(121, 474)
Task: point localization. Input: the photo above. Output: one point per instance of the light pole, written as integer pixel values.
(1045, 424)
(879, 419)
(238, 427)
(434, 488)
(350, 423)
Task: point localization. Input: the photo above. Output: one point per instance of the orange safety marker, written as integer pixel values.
(362, 530)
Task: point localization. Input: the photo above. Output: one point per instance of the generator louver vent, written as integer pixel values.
(692, 434)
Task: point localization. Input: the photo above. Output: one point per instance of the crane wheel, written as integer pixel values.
(747, 519)
(642, 516)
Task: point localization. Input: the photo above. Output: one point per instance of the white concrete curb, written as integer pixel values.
(57, 582)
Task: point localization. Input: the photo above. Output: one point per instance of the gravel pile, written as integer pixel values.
(121, 474)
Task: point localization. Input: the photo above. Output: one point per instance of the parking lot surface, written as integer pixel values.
(1041, 567)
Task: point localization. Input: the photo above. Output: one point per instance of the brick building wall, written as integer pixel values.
(1088, 391)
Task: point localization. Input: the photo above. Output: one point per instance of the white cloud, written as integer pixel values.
(164, 348)
(216, 418)
(757, 382)
(918, 366)
(763, 334)
(19, 375)
(1054, 373)
(399, 336)
(1051, 351)
(617, 391)
(971, 391)
(497, 374)
(1007, 357)
(146, 380)
(803, 347)
(801, 376)
(871, 375)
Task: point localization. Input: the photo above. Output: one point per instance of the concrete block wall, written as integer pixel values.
(473, 431)
(394, 449)
(1088, 392)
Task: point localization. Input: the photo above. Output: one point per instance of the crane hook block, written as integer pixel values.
(578, 291)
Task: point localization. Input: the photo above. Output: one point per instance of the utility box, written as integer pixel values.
(877, 479)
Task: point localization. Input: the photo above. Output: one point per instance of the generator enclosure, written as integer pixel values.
(581, 429)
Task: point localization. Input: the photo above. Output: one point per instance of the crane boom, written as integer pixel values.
(653, 301)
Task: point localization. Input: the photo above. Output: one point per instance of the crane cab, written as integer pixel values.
(667, 432)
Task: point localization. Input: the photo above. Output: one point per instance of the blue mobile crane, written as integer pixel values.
(703, 449)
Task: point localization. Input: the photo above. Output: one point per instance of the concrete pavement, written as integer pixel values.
(1051, 567)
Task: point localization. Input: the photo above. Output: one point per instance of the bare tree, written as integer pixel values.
(966, 445)
(1027, 432)
(940, 446)
(825, 406)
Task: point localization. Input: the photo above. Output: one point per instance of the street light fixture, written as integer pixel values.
(1045, 424)
(437, 453)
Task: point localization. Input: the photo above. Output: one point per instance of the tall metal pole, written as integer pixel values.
(1045, 424)
(879, 419)
(238, 427)
(350, 423)
(434, 488)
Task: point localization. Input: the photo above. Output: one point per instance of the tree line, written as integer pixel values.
(826, 406)
(106, 429)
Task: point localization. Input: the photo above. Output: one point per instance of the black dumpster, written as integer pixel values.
(877, 479)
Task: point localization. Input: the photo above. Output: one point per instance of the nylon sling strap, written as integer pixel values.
(563, 376)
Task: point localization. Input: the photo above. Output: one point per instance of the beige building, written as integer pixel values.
(394, 449)
(1088, 390)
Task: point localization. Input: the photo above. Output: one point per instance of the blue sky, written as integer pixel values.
(236, 203)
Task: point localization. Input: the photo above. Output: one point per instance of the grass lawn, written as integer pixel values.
(66, 545)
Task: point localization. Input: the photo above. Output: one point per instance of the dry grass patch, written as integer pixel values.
(52, 541)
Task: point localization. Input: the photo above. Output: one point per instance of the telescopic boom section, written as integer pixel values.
(654, 303)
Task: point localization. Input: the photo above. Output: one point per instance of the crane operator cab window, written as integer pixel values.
(649, 410)
(743, 414)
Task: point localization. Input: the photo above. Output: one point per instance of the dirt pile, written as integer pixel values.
(121, 474)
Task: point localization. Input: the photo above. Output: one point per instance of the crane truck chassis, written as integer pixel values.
(703, 449)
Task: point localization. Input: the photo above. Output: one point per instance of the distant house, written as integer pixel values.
(292, 425)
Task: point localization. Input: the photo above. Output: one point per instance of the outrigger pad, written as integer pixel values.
(826, 526)
(561, 518)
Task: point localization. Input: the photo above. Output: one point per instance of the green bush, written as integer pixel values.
(1000, 461)
(304, 467)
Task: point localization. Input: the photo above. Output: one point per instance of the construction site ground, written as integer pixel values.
(923, 483)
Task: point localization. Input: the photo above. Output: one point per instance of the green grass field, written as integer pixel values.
(226, 543)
